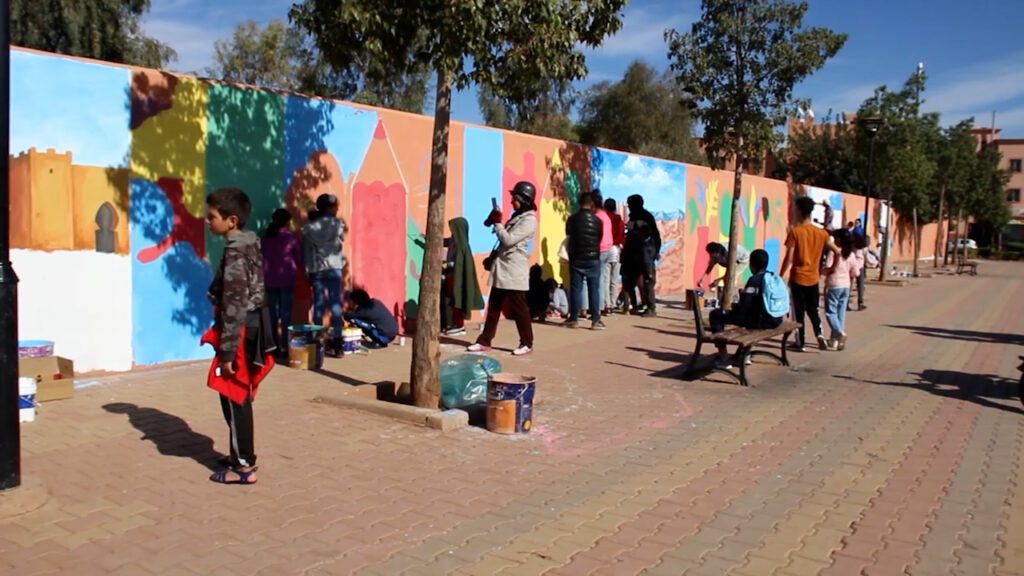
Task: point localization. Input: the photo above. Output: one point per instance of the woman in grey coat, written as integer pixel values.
(510, 270)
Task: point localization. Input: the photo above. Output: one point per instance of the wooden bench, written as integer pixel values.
(963, 265)
(743, 338)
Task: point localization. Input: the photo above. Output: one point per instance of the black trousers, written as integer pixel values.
(240, 429)
(805, 301)
(631, 274)
(518, 311)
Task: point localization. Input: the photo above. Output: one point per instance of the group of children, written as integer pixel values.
(811, 253)
(319, 255)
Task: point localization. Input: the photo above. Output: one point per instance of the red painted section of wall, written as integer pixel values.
(511, 175)
(378, 241)
(186, 227)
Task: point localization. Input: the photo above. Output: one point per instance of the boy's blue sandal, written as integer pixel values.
(243, 477)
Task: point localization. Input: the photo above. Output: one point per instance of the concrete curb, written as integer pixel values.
(444, 421)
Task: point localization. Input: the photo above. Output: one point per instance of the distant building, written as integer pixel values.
(1012, 150)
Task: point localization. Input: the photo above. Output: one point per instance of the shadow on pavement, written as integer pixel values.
(981, 389)
(339, 377)
(967, 335)
(171, 434)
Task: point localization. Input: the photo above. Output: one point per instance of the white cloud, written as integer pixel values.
(643, 33)
(983, 85)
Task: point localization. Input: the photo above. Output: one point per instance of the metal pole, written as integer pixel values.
(10, 429)
(867, 193)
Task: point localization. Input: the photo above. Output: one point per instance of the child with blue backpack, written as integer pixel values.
(764, 302)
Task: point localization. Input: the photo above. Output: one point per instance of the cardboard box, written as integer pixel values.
(55, 376)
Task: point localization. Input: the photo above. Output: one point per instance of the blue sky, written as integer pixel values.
(969, 48)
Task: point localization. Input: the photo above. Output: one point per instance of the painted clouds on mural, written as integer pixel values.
(661, 183)
(69, 106)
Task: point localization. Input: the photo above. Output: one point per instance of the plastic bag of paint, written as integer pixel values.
(464, 379)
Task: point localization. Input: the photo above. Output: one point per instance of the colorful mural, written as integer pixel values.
(108, 184)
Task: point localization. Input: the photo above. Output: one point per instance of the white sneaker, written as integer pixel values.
(478, 348)
(522, 351)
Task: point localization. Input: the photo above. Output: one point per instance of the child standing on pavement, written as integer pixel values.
(840, 269)
(241, 332)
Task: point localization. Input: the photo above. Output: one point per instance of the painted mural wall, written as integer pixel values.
(109, 178)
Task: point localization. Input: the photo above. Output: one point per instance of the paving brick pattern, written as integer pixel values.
(901, 455)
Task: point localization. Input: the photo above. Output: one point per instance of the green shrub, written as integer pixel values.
(982, 252)
(1014, 246)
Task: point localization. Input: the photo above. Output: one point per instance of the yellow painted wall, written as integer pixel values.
(93, 186)
(173, 143)
(51, 218)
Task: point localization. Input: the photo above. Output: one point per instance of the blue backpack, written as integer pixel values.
(775, 294)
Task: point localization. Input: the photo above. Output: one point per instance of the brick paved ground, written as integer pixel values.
(903, 453)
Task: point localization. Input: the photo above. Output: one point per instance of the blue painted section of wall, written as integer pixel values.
(315, 126)
(70, 106)
(481, 180)
(661, 183)
(774, 249)
(170, 310)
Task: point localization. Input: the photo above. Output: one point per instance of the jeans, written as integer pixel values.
(590, 271)
(279, 301)
(611, 280)
(372, 332)
(835, 310)
(327, 283)
(805, 300)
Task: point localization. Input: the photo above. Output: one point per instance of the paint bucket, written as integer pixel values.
(350, 339)
(306, 347)
(510, 403)
(35, 348)
(26, 399)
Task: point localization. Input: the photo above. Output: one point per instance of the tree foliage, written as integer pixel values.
(645, 113)
(988, 203)
(517, 48)
(739, 63)
(825, 156)
(547, 114)
(102, 29)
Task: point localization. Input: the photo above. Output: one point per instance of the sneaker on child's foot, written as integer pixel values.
(598, 325)
(522, 351)
(841, 342)
(723, 362)
(455, 331)
(822, 343)
(571, 323)
(478, 348)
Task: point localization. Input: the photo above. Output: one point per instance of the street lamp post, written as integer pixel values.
(870, 124)
(10, 429)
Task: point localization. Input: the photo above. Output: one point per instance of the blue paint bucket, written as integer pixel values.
(306, 347)
(510, 403)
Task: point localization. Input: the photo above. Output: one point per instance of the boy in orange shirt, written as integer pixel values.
(805, 244)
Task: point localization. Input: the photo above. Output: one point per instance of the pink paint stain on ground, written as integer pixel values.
(554, 442)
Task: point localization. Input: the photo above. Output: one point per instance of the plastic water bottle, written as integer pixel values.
(26, 399)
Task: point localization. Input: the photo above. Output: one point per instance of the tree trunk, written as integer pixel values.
(885, 238)
(734, 230)
(917, 243)
(954, 237)
(940, 231)
(426, 351)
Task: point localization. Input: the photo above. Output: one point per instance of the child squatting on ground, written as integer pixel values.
(241, 333)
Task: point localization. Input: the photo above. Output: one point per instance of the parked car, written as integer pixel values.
(963, 243)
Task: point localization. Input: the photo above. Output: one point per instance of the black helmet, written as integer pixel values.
(525, 192)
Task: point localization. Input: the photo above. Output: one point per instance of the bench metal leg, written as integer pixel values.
(744, 352)
(694, 358)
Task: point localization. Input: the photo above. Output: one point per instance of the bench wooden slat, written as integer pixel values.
(750, 336)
